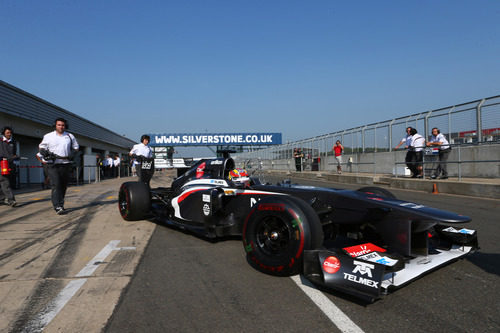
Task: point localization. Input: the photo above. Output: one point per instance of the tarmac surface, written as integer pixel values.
(69, 273)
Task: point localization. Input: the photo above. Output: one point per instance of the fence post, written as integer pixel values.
(478, 120)
(459, 165)
(390, 135)
(423, 164)
(363, 139)
(374, 165)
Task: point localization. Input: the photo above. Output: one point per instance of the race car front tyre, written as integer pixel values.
(134, 201)
(277, 231)
(377, 191)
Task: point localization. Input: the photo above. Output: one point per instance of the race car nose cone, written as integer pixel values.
(274, 235)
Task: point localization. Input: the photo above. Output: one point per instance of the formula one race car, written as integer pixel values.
(364, 243)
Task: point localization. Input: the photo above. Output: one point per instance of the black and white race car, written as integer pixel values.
(364, 243)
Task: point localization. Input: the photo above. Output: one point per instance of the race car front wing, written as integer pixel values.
(368, 272)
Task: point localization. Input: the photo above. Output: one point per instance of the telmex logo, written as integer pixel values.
(331, 265)
(363, 268)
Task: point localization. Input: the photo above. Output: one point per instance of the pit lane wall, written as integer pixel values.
(474, 161)
(479, 170)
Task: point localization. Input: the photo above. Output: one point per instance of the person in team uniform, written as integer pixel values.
(417, 145)
(57, 148)
(439, 140)
(406, 140)
(7, 153)
(143, 154)
(116, 166)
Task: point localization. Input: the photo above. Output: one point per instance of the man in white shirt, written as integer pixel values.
(438, 139)
(116, 166)
(406, 140)
(143, 154)
(107, 164)
(417, 145)
(57, 148)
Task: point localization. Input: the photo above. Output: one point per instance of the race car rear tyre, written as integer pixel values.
(277, 231)
(377, 191)
(134, 201)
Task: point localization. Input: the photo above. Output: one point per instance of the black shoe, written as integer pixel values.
(12, 203)
(443, 177)
(60, 210)
(433, 177)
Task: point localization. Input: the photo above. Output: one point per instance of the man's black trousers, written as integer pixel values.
(59, 176)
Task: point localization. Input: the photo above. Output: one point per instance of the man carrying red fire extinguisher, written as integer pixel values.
(7, 156)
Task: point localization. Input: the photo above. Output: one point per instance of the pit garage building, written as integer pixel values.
(31, 118)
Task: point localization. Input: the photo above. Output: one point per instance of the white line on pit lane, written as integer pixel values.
(43, 318)
(337, 317)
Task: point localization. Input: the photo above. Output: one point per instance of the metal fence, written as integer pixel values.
(475, 122)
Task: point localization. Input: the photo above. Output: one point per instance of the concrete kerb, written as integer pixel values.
(487, 188)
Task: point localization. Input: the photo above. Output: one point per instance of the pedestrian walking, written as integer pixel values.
(338, 149)
(57, 149)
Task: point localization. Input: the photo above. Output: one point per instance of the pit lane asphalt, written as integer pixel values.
(187, 284)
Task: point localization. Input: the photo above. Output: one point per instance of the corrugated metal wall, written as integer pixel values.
(19, 103)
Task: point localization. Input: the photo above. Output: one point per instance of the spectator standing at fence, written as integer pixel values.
(338, 149)
(298, 155)
(46, 179)
(417, 145)
(439, 140)
(406, 140)
(57, 147)
(7, 153)
(144, 156)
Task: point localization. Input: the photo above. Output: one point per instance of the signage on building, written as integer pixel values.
(213, 139)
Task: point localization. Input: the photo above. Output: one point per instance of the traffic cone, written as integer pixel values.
(434, 189)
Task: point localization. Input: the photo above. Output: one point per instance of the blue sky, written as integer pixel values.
(302, 68)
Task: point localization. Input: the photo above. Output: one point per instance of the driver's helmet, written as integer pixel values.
(239, 177)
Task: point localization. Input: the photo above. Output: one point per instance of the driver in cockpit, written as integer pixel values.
(239, 177)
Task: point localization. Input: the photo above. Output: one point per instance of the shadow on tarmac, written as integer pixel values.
(488, 262)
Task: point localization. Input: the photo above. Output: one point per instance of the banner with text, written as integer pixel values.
(211, 139)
